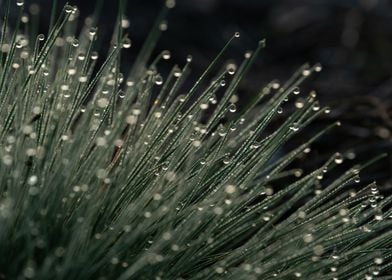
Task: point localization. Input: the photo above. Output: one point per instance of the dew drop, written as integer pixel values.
(299, 103)
(29, 272)
(125, 23)
(296, 91)
(204, 106)
(163, 25)
(136, 111)
(64, 87)
(338, 158)
(232, 108)
(177, 73)
(218, 210)
(19, 3)
(75, 43)
(94, 55)
(41, 37)
(7, 160)
(230, 189)
(234, 98)
(32, 180)
(158, 80)
(82, 79)
(294, 127)
(255, 145)
(231, 68)
(306, 72)
(221, 130)
(318, 67)
(219, 270)
(308, 238)
(81, 56)
(24, 19)
(316, 106)
(170, 4)
(266, 218)
(378, 217)
(93, 31)
(71, 71)
(226, 160)
(103, 102)
(275, 85)
(127, 43)
(68, 9)
(181, 98)
(213, 99)
(166, 55)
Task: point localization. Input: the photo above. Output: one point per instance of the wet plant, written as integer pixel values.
(106, 175)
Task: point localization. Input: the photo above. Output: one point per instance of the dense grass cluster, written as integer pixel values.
(111, 176)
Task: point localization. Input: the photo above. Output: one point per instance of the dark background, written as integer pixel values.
(351, 38)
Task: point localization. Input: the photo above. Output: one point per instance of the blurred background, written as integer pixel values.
(352, 39)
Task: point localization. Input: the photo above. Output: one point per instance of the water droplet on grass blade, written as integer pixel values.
(94, 55)
(232, 108)
(306, 72)
(230, 189)
(158, 80)
(127, 43)
(166, 54)
(231, 68)
(32, 180)
(316, 106)
(318, 67)
(204, 106)
(81, 56)
(82, 79)
(299, 103)
(75, 42)
(226, 160)
(177, 73)
(294, 127)
(338, 158)
(125, 23)
(68, 9)
(93, 31)
(163, 25)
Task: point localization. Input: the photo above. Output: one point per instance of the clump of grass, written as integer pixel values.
(108, 176)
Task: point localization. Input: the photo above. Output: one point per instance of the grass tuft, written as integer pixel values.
(106, 175)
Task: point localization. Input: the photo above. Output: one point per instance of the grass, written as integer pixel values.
(112, 176)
